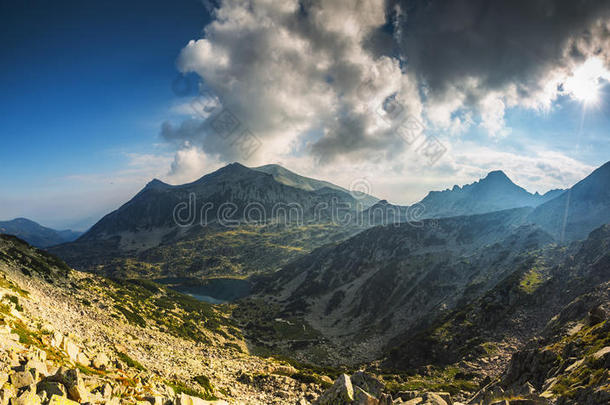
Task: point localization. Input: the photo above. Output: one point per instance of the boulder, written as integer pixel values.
(284, 370)
(385, 399)
(57, 339)
(341, 393)
(36, 366)
(446, 397)
(74, 383)
(154, 400)
(57, 400)
(184, 399)
(362, 397)
(433, 398)
(83, 359)
(597, 315)
(101, 361)
(367, 382)
(70, 348)
(51, 388)
(326, 379)
(602, 356)
(28, 397)
(6, 393)
(22, 379)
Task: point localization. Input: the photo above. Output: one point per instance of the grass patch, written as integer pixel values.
(130, 362)
(131, 316)
(25, 335)
(531, 280)
(180, 388)
(440, 380)
(205, 383)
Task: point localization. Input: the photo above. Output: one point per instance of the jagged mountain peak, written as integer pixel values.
(497, 175)
(496, 191)
(156, 183)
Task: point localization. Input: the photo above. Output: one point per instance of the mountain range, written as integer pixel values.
(494, 192)
(36, 234)
(484, 292)
(267, 216)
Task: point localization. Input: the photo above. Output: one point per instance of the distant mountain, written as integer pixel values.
(495, 192)
(36, 234)
(579, 210)
(289, 178)
(384, 213)
(227, 197)
(234, 221)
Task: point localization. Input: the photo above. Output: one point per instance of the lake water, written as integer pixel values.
(214, 291)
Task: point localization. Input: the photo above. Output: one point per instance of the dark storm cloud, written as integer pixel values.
(288, 69)
(499, 43)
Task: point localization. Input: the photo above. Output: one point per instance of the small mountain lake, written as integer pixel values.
(214, 291)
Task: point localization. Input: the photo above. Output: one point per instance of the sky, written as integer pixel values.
(395, 98)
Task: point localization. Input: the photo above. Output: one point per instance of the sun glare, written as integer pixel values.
(585, 82)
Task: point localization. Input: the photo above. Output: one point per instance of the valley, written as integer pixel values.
(447, 305)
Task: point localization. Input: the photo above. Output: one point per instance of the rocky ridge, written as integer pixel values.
(80, 337)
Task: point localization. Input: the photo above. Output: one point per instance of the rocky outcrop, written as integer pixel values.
(352, 390)
(72, 338)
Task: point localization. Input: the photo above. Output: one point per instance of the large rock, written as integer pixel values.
(445, 396)
(433, 398)
(6, 393)
(22, 379)
(367, 382)
(602, 356)
(28, 397)
(341, 393)
(362, 397)
(101, 361)
(37, 366)
(184, 399)
(385, 399)
(51, 388)
(597, 315)
(57, 400)
(74, 383)
(70, 348)
(154, 400)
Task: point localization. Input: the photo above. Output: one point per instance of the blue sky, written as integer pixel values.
(84, 82)
(88, 85)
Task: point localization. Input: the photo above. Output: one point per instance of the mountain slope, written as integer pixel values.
(517, 308)
(35, 233)
(101, 341)
(235, 221)
(384, 213)
(229, 197)
(285, 176)
(493, 193)
(579, 210)
(388, 279)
